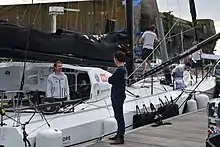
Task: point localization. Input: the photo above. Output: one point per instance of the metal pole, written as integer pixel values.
(194, 21)
(152, 84)
(130, 29)
(54, 23)
(152, 77)
(2, 109)
(163, 48)
(194, 15)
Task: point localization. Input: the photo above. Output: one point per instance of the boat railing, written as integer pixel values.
(18, 106)
(16, 99)
(207, 68)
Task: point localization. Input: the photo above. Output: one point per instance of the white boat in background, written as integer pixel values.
(91, 119)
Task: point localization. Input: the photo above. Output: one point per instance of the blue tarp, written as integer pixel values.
(135, 2)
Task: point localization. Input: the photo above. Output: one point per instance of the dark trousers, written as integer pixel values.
(117, 105)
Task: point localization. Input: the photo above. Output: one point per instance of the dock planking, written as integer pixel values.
(188, 130)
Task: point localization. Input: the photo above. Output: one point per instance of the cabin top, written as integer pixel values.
(83, 82)
(29, 64)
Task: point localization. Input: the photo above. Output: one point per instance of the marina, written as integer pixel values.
(188, 130)
(75, 72)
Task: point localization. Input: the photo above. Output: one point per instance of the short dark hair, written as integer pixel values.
(120, 56)
(152, 27)
(57, 62)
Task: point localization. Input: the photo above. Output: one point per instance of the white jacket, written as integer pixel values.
(57, 86)
(178, 75)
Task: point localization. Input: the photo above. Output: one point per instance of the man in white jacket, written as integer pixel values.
(178, 75)
(57, 83)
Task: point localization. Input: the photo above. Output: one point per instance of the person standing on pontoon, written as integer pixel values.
(118, 82)
(57, 84)
(178, 75)
(148, 39)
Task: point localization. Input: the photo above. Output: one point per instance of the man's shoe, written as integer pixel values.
(113, 138)
(118, 141)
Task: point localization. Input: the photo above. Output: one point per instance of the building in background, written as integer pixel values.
(94, 15)
(91, 19)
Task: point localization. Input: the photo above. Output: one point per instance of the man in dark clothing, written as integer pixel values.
(118, 95)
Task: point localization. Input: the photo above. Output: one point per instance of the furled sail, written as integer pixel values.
(90, 47)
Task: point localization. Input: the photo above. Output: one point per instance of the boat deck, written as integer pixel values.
(188, 130)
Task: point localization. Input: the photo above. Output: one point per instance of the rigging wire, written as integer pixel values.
(77, 16)
(159, 45)
(125, 127)
(35, 17)
(142, 99)
(163, 39)
(25, 140)
(67, 17)
(158, 78)
(181, 26)
(42, 115)
(83, 109)
(25, 12)
(102, 17)
(196, 87)
(113, 6)
(183, 32)
(20, 96)
(85, 103)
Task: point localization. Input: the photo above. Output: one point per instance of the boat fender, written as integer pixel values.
(49, 138)
(191, 105)
(109, 126)
(202, 100)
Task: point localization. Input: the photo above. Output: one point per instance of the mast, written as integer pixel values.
(194, 15)
(130, 28)
(163, 46)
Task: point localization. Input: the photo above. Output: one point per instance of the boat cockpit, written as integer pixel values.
(86, 83)
(79, 83)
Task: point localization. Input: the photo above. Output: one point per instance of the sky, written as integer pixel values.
(206, 9)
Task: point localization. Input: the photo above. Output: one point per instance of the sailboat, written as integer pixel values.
(92, 116)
